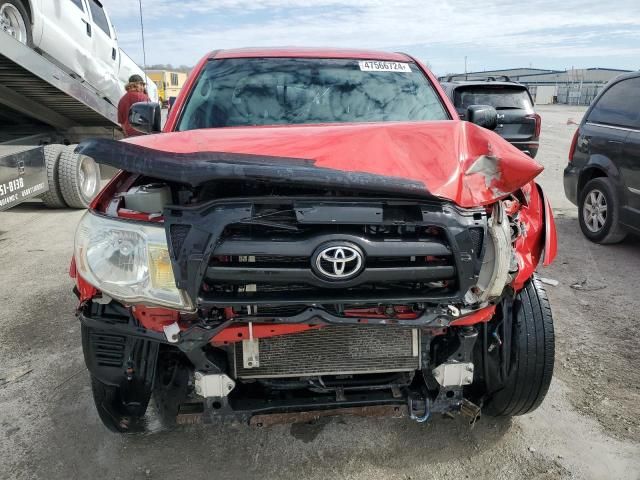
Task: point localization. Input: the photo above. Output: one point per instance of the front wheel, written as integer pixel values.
(519, 367)
(14, 20)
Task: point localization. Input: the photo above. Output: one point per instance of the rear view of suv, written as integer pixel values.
(517, 121)
(603, 175)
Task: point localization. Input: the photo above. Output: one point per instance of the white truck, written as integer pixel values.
(47, 104)
(76, 35)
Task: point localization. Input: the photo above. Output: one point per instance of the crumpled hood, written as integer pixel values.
(454, 160)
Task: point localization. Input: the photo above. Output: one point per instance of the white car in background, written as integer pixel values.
(77, 35)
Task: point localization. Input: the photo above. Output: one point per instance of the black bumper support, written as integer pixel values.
(198, 336)
(132, 353)
(243, 409)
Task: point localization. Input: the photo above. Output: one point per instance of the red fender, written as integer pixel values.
(538, 242)
(550, 235)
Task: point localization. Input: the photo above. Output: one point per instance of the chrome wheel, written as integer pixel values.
(12, 22)
(594, 211)
(89, 176)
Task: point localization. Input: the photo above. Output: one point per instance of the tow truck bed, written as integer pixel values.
(23, 174)
(41, 104)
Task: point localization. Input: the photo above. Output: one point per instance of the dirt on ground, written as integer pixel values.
(595, 304)
(588, 427)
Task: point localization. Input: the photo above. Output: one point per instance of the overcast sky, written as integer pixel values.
(492, 34)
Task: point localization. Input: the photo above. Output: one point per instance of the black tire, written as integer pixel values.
(117, 415)
(22, 11)
(53, 198)
(611, 231)
(170, 390)
(533, 351)
(78, 177)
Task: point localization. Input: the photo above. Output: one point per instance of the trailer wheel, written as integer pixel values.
(15, 21)
(53, 198)
(78, 177)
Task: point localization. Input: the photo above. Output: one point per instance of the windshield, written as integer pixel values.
(497, 97)
(280, 91)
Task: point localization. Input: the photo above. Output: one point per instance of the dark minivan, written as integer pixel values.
(518, 123)
(603, 175)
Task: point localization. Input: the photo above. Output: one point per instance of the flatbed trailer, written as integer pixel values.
(44, 112)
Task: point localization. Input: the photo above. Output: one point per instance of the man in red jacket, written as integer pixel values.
(135, 93)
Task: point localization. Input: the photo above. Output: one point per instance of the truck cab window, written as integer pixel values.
(78, 3)
(99, 17)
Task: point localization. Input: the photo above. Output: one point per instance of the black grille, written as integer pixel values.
(248, 290)
(178, 235)
(477, 237)
(263, 250)
(257, 261)
(255, 290)
(396, 261)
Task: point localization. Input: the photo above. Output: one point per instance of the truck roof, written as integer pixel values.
(309, 52)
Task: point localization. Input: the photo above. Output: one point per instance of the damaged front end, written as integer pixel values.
(267, 290)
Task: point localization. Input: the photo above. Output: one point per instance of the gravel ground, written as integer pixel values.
(587, 428)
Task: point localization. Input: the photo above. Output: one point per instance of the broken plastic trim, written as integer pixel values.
(494, 274)
(196, 169)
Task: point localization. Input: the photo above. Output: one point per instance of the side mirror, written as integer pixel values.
(483, 115)
(145, 117)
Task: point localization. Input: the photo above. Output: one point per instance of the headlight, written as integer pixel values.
(127, 261)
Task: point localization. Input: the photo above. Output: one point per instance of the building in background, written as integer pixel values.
(577, 86)
(169, 83)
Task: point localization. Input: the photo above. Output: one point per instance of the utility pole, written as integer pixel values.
(465, 68)
(144, 53)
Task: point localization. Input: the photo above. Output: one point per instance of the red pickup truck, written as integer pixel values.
(314, 232)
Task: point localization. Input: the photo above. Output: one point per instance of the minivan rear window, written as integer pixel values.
(619, 105)
(497, 97)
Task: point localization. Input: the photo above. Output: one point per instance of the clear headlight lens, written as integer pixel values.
(127, 261)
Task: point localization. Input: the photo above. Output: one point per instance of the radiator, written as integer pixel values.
(332, 350)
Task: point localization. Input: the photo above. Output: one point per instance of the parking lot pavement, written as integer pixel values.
(588, 427)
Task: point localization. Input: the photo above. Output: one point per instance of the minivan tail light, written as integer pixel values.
(538, 120)
(574, 142)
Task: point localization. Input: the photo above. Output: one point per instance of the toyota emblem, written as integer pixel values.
(338, 261)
